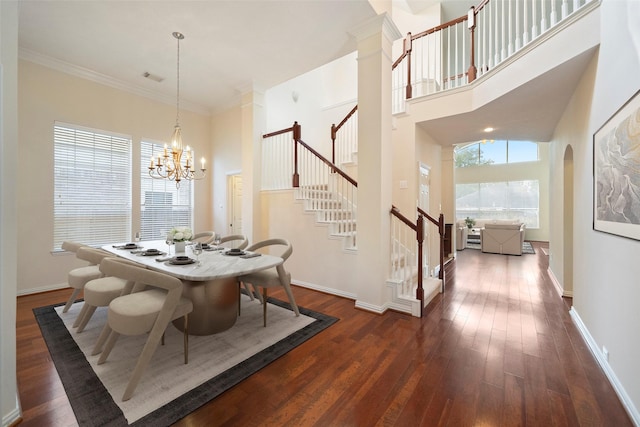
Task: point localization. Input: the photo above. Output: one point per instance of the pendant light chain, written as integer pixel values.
(178, 36)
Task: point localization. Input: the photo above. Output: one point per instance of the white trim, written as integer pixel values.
(378, 309)
(604, 364)
(557, 285)
(41, 289)
(323, 289)
(12, 417)
(103, 79)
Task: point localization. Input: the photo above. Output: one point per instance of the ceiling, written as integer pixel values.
(527, 113)
(230, 47)
(234, 46)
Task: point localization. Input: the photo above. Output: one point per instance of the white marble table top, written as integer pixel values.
(213, 264)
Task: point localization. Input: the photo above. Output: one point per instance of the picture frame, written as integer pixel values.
(616, 172)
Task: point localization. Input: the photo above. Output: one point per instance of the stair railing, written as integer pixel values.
(277, 154)
(441, 231)
(407, 240)
(286, 157)
(347, 139)
(457, 52)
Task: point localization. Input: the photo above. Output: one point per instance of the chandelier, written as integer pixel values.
(177, 162)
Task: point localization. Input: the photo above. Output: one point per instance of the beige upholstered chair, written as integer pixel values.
(204, 237)
(144, 311)
(99, 293)
(273, 277)
(234, 241)
(78, 277)
(502, 238)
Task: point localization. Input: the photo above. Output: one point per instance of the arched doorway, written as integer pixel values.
(567, 223)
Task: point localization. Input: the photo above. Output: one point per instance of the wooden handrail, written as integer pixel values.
(334, 132)
(278, 132)
(333, 167)
(395, 212)
(335, 128)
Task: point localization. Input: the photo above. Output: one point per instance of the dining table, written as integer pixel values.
(210, 279)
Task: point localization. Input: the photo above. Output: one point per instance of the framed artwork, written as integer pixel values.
(616, 172)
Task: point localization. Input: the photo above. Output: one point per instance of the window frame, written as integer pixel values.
(90, 162)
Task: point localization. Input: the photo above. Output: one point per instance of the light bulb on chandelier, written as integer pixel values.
(170, 165)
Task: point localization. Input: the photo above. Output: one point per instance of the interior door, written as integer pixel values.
(235, 204)
(423, 203)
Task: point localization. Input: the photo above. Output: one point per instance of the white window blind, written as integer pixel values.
(92, 186)
(162, 205)
(512, 200)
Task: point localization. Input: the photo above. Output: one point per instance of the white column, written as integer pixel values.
(374, 39)
(253, 125)
(8, 211)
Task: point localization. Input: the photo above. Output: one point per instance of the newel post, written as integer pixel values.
(420, 238)
(297, 132)
(471, 23)
(407, 45)
(334, 134)
(441, 231)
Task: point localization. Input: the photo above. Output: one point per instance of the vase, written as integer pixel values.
(180, 247)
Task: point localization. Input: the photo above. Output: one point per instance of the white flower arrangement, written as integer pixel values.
(181, 234)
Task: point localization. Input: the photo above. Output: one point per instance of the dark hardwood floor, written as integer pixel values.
(497, 349)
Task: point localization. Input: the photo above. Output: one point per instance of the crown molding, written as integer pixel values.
(103, 79)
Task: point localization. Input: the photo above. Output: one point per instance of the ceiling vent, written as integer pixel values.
(148, 75)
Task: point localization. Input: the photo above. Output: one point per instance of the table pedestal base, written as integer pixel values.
(215, 305)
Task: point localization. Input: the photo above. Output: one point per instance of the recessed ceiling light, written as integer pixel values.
(488, 129)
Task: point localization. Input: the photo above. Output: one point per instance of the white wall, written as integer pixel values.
(8, 211)
(606, 268)
(226, 160)
(324, 97)
(46, 96)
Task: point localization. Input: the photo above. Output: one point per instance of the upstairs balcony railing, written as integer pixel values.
(456, 53)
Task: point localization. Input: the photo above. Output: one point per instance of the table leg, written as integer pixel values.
(215, 305)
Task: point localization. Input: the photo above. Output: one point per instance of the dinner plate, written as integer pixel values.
(175, 261)
(151, 253)
(234, 253)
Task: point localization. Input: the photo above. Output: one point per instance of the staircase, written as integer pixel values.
(331, 209)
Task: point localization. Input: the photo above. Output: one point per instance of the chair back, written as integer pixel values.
(274, 242)
(242, 240)
(71, 246)
(92, 255)
(204, 237)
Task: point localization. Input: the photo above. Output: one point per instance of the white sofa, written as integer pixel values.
(502, 238)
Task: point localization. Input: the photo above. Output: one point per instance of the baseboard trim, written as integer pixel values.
(42, 289)
(323, 289)
(604, 364)
(558, 286)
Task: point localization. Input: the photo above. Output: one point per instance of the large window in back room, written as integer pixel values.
(483, 195)
(490, 152)
(510, 200)
(92, 186)
(162, 205)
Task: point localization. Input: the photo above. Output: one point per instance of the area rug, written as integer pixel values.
(169, 389)
(527, 248)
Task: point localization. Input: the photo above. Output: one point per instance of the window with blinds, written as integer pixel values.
(162, 205)
(92, 186)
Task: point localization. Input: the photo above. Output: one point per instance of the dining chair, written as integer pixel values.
(273, 277)
(238, 241)
(204, 237)
(156, 299)
(78, 277)
(99, 293)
